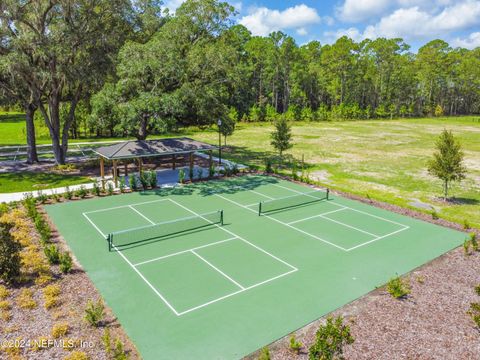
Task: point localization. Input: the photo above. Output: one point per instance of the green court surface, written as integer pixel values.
(223, 291)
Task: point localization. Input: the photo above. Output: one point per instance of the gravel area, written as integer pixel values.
(431, 323)
(28, 325)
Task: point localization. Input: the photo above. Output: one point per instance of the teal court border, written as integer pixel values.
(341, 249)
(135, 266)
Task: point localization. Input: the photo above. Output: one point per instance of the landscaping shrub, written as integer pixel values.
(330, 340)
(295, 345)
(477, 291)
(132, 180)
(68, 193)
(110, 189)
(66, 262)
(434, 214)
(118, 351)
(474, 241)
(466, 224)
(264, 354)
(398, 288)
(466, 247)
(25, 299)
(94, 313)
(10, 260)
(96, 189)
(3, 208)
(59, 330)
(122, 184)
(5, 305)
(50, 296)
(211, 171)
(153, 182)
(181, 176)
(81, 192)
(76, 355)
(4, 292)
(144, 180)
(199, 173)
(474, 313)
(268, 166)
(42, 198)
(52, 253)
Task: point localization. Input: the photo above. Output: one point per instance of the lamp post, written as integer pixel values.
(219, 123)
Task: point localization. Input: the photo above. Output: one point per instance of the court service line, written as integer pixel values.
(183, 252)
(95, 226)
(138, 272)
(233, 234)
(237, 292)
(259, 193)
(283, 223)
(139, 213)
(314, 216)
(376, 239)
(349, 226)
(124, 206)
(217, 269)
(360, 211)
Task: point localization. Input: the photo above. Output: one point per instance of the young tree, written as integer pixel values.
(9, 254)
(228, 124)
(447, 162)
(282, 136)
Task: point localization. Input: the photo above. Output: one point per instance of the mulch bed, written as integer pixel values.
(431, 323)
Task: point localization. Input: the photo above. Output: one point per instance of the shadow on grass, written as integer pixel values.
(12, 118)
(30, 181)
(463, 201)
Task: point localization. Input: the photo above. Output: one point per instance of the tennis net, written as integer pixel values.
(163, 229)
(292, 201)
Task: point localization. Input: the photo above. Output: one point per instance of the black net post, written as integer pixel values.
(260, 209)
(328, 194)
(109, 240)
(221, 217)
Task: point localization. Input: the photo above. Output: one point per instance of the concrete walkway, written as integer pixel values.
(165, 178)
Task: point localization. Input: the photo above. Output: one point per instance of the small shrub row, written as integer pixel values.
(470, 245)
(398, 288)
(114, 350)
(50, 296)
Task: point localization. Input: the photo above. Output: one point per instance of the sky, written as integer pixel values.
(416, 21)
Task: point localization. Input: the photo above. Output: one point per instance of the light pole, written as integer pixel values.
(219, 123)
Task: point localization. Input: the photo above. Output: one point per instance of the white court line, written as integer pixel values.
(139, 213)
(95, 226)
(236, 292)
(233, 234)
(360, 211)
(378, 238)
(182, 252)
(136, 270)
(217, 269)
(314, 216)
(124, 206)
(349, 226)
(281, 222)
(259, 193)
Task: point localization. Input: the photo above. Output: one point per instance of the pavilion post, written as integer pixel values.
(102, 172)
(191, 165)
(125, 165)
(174, 160)
(139, 165)
(115, 173)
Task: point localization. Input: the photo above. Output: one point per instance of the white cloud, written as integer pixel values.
(471, 42)
(262, 21)
(172, 5)
(353, 33)
(302, 31)
(358, 10)
(414, 22)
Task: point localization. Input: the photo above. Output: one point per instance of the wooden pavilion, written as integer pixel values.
(138, 150)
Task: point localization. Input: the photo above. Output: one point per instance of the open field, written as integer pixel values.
(257, 277)
(31, 181)
(381, 159)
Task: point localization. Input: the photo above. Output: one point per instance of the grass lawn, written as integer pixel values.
(382, 159)
(30, 181)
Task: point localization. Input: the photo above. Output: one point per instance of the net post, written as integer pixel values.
(328, 194)
(260, 208)
(109, 240)
(221, 217)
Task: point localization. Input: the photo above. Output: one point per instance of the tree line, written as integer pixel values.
(118, 68)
